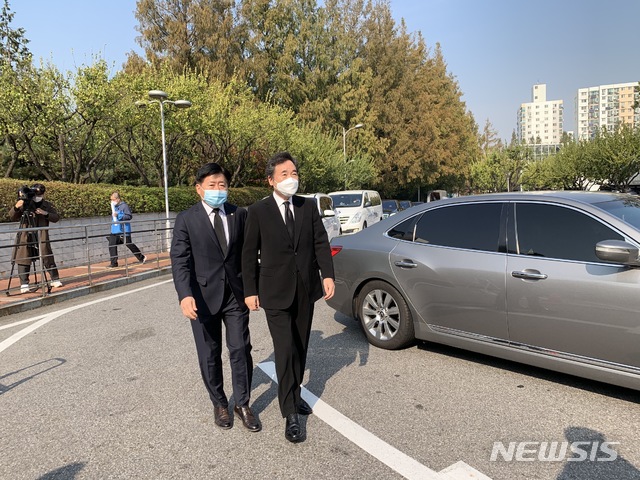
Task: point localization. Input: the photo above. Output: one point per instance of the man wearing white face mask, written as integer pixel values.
(286, 250)
(121, 231)
(205, 262)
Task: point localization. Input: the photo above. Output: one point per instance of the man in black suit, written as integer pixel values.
(285, 245)
(205, 261)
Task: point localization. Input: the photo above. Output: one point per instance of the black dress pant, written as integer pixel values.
(290, 330)
(115, 240)
(207, 332)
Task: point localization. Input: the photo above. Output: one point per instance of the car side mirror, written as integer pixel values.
(618, 251)
(367, 204)
(328, 213)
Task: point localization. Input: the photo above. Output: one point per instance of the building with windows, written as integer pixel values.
(540, 122)
(605, 106)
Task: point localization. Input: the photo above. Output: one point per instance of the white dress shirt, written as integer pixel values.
(280, 202)
(223, 217)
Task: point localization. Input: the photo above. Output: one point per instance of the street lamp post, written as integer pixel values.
(160, 97)
(344, 149)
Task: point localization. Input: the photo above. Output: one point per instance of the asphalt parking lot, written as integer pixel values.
(107, 386)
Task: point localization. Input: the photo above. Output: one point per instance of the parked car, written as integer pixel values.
(357, 209)
(550, 279)
(327, 212)
(390, 207)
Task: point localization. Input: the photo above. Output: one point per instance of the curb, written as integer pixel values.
(58, 297)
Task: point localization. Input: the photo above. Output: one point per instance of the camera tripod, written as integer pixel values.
(32, 243)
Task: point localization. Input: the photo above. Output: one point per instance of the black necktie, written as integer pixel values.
(288, 220)
(219, 229)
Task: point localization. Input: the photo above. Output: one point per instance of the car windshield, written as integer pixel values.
(627, 210)
(347, 200)
(389, 205)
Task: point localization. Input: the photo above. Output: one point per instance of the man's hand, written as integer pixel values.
(40, 211)
(329, 287)
(253, 302)
(188, 306)
(19, 204)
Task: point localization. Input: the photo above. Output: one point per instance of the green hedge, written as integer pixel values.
(92, 200)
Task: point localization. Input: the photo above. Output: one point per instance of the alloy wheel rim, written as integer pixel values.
(380, 314)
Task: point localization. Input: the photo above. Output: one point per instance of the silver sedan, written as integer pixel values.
(550, 279)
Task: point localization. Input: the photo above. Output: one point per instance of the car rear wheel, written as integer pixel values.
(385, 316)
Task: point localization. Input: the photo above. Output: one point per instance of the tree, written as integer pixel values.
(191, 35)
(489, 139)
(15, 85)
(569, 168)
(502, 170)
(14, 52)
(615, 157)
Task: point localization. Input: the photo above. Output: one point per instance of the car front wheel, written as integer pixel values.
(385, 316)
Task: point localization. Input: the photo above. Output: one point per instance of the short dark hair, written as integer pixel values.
(277, 159)
(212, 169)
(39, 188)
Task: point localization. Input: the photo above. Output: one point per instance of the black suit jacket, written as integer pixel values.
(199, 268)
(267, 239)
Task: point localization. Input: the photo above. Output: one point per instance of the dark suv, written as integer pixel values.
(390, 207)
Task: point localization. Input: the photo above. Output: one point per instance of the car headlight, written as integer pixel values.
(356, 218)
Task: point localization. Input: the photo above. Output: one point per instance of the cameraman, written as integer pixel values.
(33, 211)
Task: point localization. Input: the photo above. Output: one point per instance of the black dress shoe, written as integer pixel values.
(222, 418)
(304, 408)
(248, 418)
(293, 430)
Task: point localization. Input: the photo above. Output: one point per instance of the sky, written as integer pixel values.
(496, 49)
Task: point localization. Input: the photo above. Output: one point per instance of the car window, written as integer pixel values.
(554, 231)
(471, 226)
(375, 199)
(404, 230)
(325, 203)
(347, 200)
(626, 209)
(389, 205)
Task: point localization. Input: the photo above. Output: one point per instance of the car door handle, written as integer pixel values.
(529, 275)
(406, 263)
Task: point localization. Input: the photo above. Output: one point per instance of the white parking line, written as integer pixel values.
(52, 316)
(387, 454)
(22, 322)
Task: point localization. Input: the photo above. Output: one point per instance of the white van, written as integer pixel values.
(357, 209)
(433, 195)
(327, 213)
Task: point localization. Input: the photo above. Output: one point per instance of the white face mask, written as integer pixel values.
(288, 187)
(38, 199)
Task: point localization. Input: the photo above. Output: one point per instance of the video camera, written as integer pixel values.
(27, 195)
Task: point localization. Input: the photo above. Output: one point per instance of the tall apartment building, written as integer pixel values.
(604, 106)
(540, 121)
